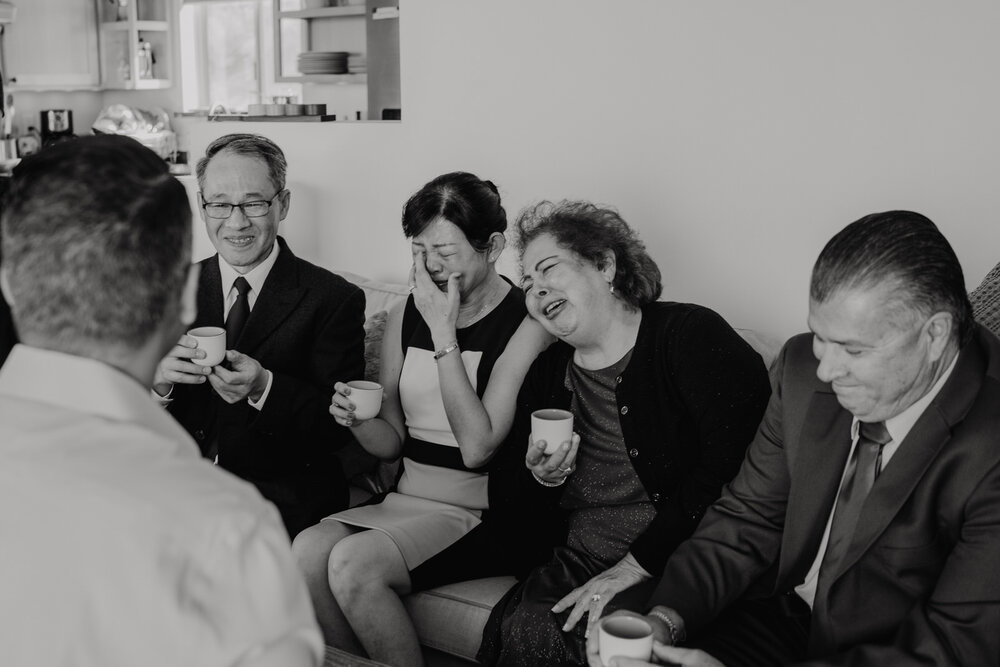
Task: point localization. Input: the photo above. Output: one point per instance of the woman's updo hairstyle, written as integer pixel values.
(590, 231)
(461, 198)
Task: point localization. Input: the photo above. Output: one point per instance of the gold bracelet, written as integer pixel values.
(451, 347)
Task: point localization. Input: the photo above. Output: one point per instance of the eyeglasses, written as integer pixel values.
(250, 209)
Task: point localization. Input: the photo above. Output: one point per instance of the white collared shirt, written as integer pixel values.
(255, 277)
(121, 545)
(898, 428)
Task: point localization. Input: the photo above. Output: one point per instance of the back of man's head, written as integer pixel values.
(96, 241)
(904, 251)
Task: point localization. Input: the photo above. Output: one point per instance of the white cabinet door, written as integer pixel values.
(52, 45)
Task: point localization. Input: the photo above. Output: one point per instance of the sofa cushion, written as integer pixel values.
(374, 333)
(378, 295)
(766, 346)
(451, 618)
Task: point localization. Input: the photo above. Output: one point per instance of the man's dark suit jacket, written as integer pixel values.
(307, 328)
(7, 335)
(920, 584)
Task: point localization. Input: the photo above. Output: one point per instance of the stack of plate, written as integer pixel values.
(357, 63)
(323, 62)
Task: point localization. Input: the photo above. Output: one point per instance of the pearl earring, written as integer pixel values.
(611, 287)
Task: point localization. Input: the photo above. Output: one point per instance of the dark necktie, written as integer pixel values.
(239, 313)
(862, 470)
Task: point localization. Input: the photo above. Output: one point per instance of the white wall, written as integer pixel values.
(736, 136)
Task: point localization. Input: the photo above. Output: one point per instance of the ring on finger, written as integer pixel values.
(596, 597)
(566, 470)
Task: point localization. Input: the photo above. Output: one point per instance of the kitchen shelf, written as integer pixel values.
(52, 88)
(141, 26)
(340, 79)
(326, 118)
(324, 13)
(357, 29)
(121, 34)
(152, 84)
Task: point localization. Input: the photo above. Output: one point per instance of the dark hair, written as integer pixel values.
(903, 249)
(251, 145)
(590, 231)
(96, 238)
(461, 198)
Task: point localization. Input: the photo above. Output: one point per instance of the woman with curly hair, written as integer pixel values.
(665, 398)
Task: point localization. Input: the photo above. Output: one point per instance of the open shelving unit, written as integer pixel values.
(121, 66)
(298, 29)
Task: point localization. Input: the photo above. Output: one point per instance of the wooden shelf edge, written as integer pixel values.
(324, 12)
(152, 84)
(152, 26)
(142, 84)
(53, 88)
(340, 79)
(274, 119)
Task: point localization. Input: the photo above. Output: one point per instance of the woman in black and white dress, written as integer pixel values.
(453, 358)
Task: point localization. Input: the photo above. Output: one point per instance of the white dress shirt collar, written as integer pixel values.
(255, 276)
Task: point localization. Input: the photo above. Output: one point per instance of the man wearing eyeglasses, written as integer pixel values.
(293, 330)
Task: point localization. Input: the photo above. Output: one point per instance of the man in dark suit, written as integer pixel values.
(293, 330)
(8, 337)
(864, 526)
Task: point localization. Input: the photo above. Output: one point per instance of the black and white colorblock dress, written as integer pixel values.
(437, 498)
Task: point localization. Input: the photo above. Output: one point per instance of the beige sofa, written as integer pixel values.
(449, 620)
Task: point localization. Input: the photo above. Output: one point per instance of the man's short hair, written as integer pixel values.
(96, 238)
(903, 250)
(250, 145)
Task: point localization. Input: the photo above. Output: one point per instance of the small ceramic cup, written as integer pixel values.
(367, 398)
(553, 426)
(213, 341)
(625, 636)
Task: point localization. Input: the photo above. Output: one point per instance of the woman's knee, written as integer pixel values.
(313, 545)
(363, 561)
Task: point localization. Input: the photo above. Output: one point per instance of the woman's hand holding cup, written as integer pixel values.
(552, 468)
(355, 402)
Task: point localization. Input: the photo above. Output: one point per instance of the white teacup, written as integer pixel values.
(625, 636)
(367, 398)
(213, 341)
(553, 426)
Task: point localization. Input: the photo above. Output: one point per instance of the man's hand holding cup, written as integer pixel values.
(184, 364)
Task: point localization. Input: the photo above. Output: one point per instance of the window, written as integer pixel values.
(227, 55)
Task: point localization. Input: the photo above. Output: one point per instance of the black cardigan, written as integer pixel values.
(689, 402)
